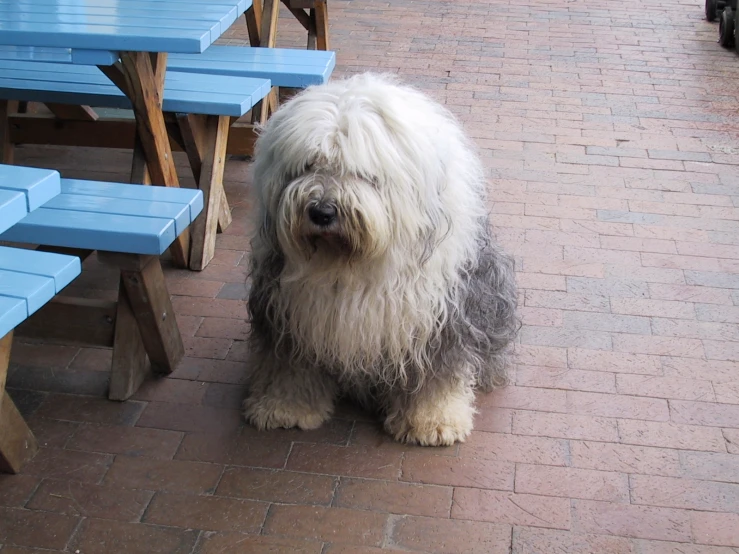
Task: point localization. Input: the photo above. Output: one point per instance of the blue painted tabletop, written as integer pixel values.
(91, 30)
(22, 190)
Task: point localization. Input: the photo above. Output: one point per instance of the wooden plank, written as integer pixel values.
(66, 320)
(71, 111)
(7, 109)
(193, 132)
(106, 133)
(129, 367)
(17, 443)
(151, 305)
(300, 4)
(253, 18)
(320, 16)
(204, 227)
(144, 87)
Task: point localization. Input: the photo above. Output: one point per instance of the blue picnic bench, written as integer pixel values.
(129, 226)
(28, 280)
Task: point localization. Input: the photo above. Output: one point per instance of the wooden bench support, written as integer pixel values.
(141, 323)
(17, 443)
(108, 133)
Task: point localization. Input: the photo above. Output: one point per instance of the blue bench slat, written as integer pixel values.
(223, 14)
(36, 290)
(62, 269)
(189, 197)
(184, 92)
(13, 311)
(114, 233)
(285, 67)
(12, 208)
(191, 4)
(180, 213)
(38, 185)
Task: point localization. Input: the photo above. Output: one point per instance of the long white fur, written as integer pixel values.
(421, 182)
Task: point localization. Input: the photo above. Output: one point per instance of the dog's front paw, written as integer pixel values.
(431, 433)
(269, 413)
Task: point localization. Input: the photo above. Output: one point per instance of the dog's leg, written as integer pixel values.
(440, 414)
(283, 394)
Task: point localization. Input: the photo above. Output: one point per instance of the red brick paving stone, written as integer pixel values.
(684, 493)
(528, 354)
(572, 482)
(239, 543)
(326, 524)
(42, 355)
(200, 347)
(191, 287)
(176, 391)
(349, 461)
(82, 499)
(221, 327)
(529, 540)
(516, 448)
(710, 466)
(185, 417)
(23, 550)
(36, 529)
(658, 346)
(15, 490)
(613, 405)
(665, 387)
(715, 528)
(89, 409)
(617, 362)
(235, 448)
(129, 441)
(671, 435)
(352, 549)
(99, 536)
(394, 498)
(442, 536)
(68, 464)
(239, 352)
(524, 398)
(168, 475)
(663, 547)
(567, 379)
(209, 513)
(705, 413)
(731, 436)
(209, 307)
(512, 508)
(212, 371)
(51, 432)
(564, 426)
(94, 359)
(494, 420)
(710, 370)
(626, 458)
(625, 520)
(277, 486)
(465, 471)
(224, 395)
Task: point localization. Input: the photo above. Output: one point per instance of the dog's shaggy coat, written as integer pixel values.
(374, 271)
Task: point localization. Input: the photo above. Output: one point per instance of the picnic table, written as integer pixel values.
(128, 40)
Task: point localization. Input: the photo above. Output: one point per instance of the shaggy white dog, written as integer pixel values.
(373, 268)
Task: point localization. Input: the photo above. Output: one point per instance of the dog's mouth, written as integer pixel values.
(331, 242)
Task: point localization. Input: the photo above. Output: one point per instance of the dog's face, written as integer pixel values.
(331, 216)
(353, 171)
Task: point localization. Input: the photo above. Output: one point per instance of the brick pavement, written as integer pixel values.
(610, 137)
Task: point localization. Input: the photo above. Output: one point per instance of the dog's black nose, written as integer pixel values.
(322, 215)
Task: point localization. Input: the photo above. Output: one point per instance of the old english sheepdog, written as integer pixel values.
(374, 271)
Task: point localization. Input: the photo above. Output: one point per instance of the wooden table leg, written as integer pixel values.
(194, 138)
(206, 139)
(140, 75)
(7, 108)
(17, 443)
(270, 11)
